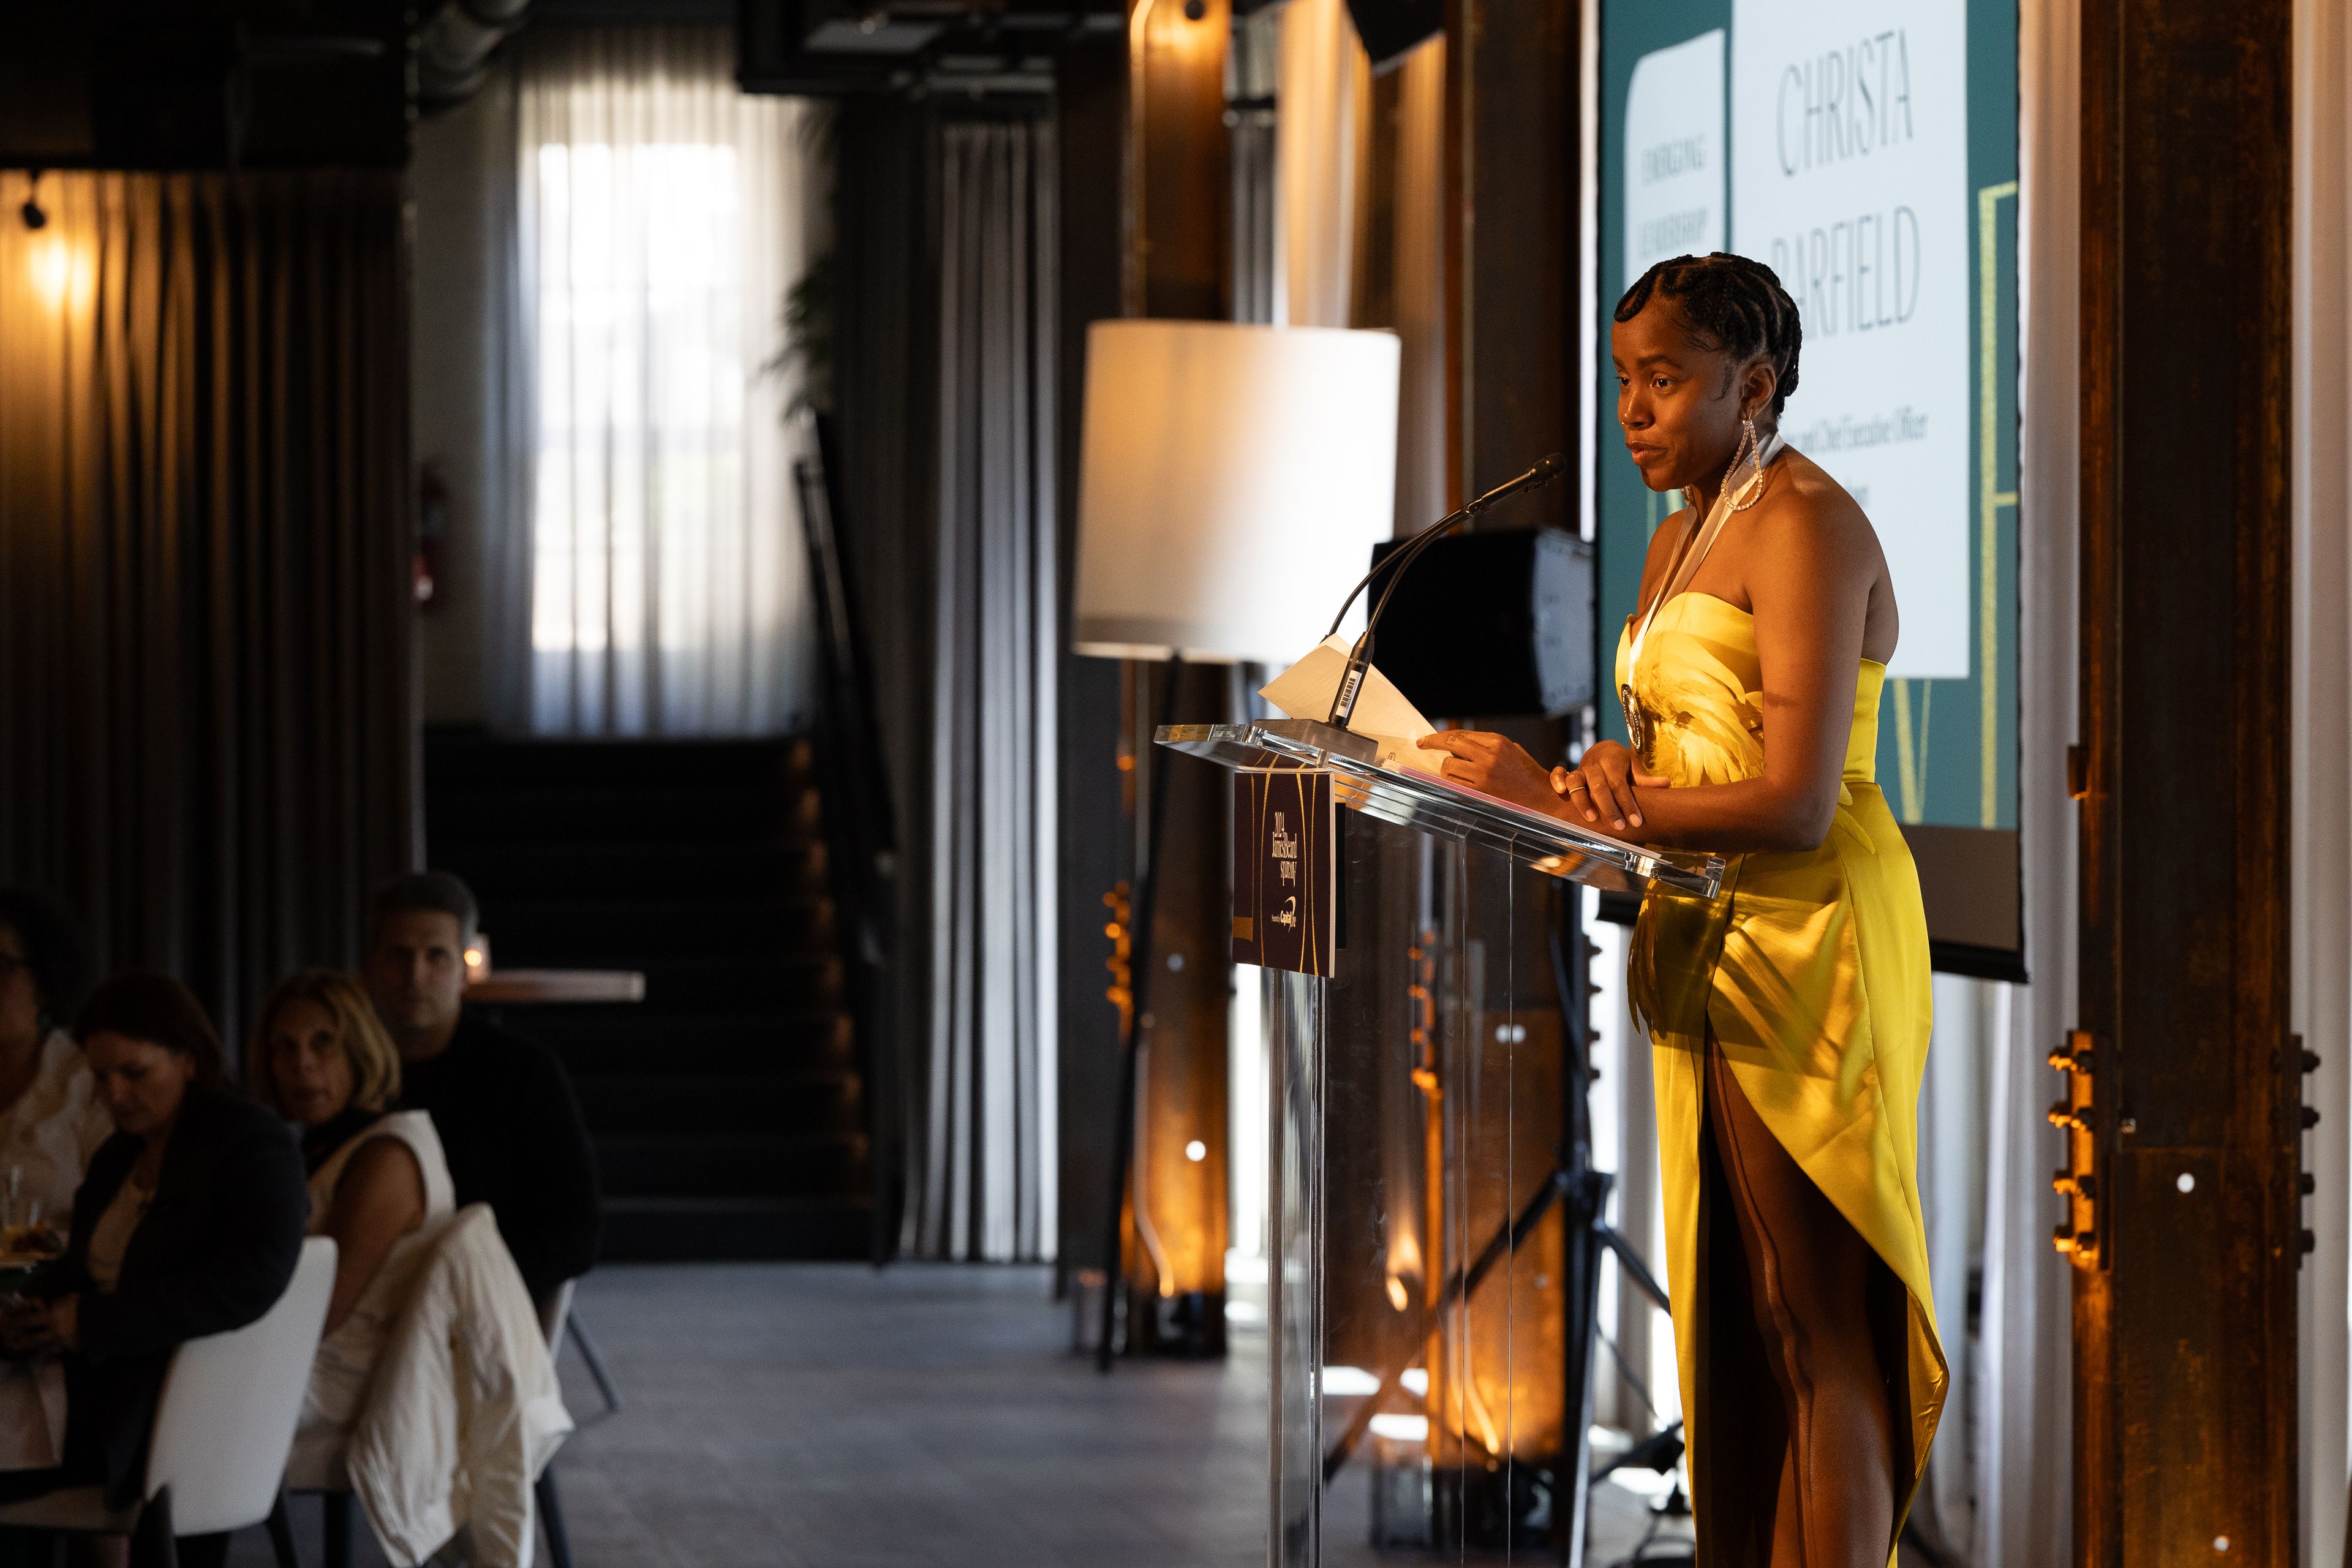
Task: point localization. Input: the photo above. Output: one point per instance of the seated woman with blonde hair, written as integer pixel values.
(379, 1184)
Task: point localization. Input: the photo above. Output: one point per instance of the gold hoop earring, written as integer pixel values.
(1756, 477)
(1747, 444)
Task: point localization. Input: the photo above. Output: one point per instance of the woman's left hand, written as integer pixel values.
(1493, 764)
(1601, 787)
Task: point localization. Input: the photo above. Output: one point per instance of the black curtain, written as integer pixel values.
(206, 732)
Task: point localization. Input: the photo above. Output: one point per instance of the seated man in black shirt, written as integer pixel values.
(503, 1105)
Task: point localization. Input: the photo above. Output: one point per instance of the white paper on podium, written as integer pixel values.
(1305, 690)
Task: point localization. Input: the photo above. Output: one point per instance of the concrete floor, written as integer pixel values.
(928, 1417)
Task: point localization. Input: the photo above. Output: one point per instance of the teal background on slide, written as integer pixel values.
(1939, 761)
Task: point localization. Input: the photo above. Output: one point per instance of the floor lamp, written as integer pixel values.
(1232, 482)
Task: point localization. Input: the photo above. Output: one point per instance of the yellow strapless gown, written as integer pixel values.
(1811, 972)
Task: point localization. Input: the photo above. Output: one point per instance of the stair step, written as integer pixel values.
(678, 815)
(727, 1109)
(720, 984)
(605, 1040)
(457, 759)
(626, 932)
(782, 981)
(669, 1230)
(808, 1166)
(719, 1105)
(504, 870)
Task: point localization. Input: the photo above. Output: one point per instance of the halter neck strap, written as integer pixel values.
(1694, 548)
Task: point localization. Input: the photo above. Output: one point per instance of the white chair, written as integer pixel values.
(315, 1466)
(224, 1425)
(554, 1317)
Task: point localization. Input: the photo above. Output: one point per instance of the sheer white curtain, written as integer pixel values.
(2024, 1416)
(1252, 85)
(661, 216)
(1323, 99)
(985, 1170)
(1972, 1030)
(2321, 923)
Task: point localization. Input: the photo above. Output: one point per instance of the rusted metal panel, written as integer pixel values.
(2185, 1309)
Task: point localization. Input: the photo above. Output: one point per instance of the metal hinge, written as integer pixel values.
(2077, 1180)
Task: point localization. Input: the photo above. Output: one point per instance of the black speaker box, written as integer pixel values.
(1491, 625)
(1391, 27)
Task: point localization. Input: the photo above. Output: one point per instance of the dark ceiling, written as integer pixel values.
(196, 84)
(260, 83)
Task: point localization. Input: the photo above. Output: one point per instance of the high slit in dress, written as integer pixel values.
(1802, 988)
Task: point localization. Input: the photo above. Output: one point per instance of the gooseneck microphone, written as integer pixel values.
(1397, 561)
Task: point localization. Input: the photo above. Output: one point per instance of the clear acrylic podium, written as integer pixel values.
(1420, 1106)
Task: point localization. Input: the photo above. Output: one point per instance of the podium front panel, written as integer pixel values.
(1415, 1312)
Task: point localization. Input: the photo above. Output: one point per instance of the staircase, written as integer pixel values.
(727, 1106)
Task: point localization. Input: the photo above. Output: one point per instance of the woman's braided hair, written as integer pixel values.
(1734, 301)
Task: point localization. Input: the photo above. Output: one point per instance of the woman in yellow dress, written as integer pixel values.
(1788, 1016)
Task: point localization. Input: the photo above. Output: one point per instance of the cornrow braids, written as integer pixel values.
(1736, 301)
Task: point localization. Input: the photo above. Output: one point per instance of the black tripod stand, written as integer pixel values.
(1584, 1193)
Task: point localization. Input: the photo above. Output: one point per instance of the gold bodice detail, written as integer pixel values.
(1700, 688)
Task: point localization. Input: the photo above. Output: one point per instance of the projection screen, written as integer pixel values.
(1867, 151)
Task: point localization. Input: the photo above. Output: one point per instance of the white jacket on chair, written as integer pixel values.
(463, 1410)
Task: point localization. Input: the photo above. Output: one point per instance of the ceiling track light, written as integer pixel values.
(35, 218)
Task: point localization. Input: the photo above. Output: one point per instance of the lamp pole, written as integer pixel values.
(1232, 479)
(1140, 970)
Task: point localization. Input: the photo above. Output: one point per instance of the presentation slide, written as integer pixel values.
(1866, 151)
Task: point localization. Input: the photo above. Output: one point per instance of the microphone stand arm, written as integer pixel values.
(1360, 657)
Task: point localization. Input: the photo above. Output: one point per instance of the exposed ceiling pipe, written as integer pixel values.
(453, 48)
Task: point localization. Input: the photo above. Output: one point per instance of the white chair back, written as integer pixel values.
(225, 1421)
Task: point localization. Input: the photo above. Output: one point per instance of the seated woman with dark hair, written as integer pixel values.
(379, 1184)
(188, 1224)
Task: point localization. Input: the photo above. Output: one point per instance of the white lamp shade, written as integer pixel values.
(1232, 483)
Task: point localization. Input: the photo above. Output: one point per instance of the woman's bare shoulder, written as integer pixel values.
(1815, 521)
(1810, 490)
(381, 1167)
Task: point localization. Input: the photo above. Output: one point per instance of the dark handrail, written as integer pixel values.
(861, 829)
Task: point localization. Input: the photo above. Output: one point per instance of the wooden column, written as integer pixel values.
(1179, 261)
(1181, 161)
(2187, 1241)
(1146, 205)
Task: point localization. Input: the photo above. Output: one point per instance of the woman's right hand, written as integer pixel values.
(1601, 787)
